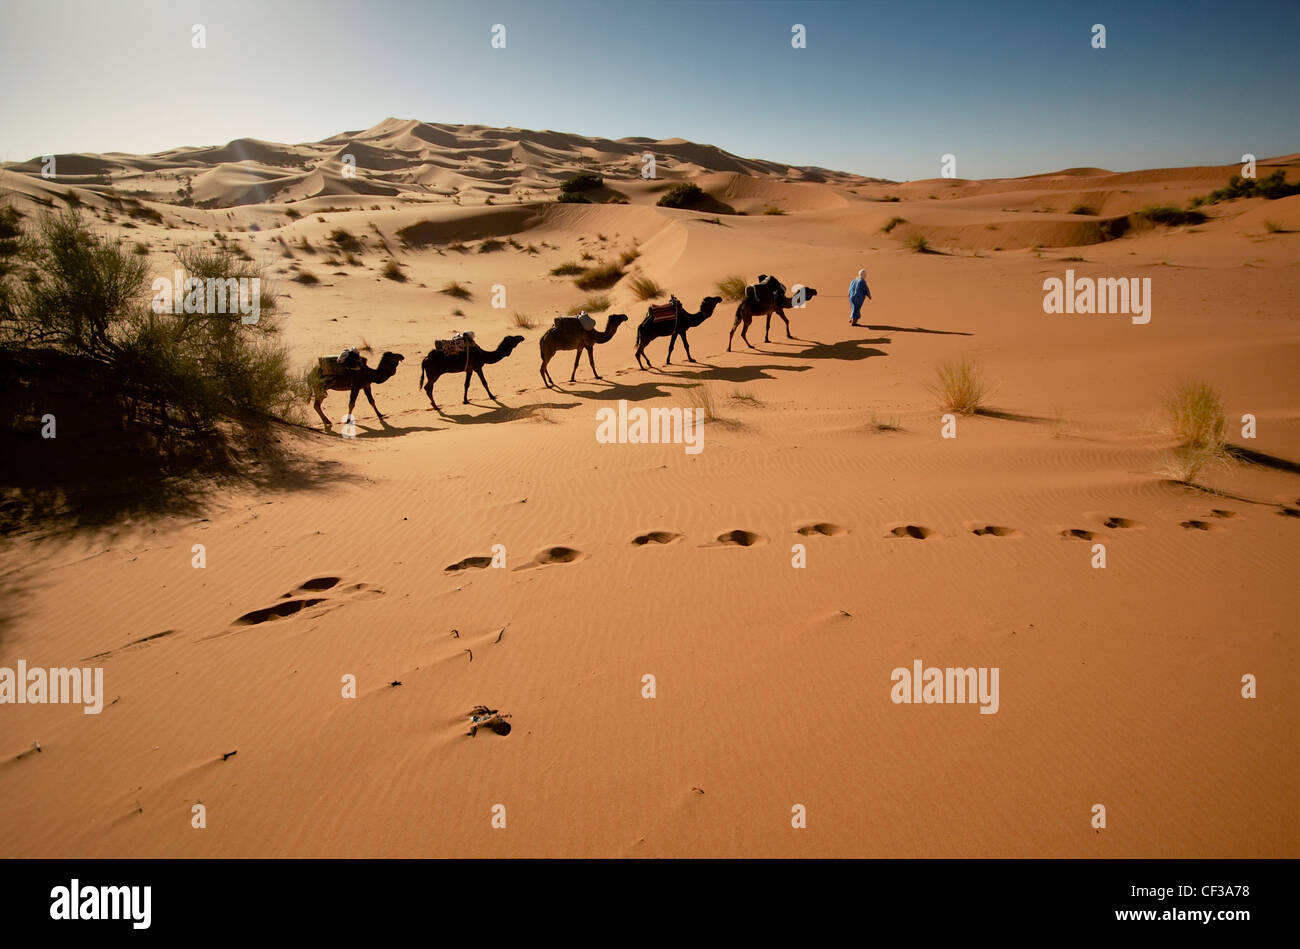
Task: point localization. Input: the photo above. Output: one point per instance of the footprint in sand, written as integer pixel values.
(911, 530)
(295, 602)
(1121, 523)
(553, 555)
(656, 537)
(1217, 512)
(476, 563)
(1075, 533)
(1197, 525)
(740, 538)
(825, 528)
(991, 530)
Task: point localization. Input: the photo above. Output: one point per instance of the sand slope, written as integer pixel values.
(1118, 686)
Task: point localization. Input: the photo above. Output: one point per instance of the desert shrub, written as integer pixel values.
(342, 239)
(1169, 215)
(684, 194)
(960, 386)
(523, 321)
(701, 397)
(87, 295)
(773, 210)
(454, 289)
(918, 244)
(732, 288)
(1273, 187)
(566, 198)
(645, 288)
(595, 303)
(567, 269)
(892, 223)
(600, 276)
(491, 245)
(306, 278)
(1083, 209)
(1195, 411)
(583, 181)
(393, 271)
(627, 256)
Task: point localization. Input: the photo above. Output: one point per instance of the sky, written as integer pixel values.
(881, 89)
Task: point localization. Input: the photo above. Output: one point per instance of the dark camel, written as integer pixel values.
(651, 328)
(764, 303)
(471, 361)
(327, 376)
(568, 333)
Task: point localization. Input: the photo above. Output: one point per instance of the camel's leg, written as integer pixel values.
(732, 333)
(428, 390)
(668, 360)
(479, 370)
(591, 359)
(352, 402)
(469, 371)
(546, 377)
(323, 417)
(640, 354)
(687, 346)
(577, 358)
(781, 313)
(371, 398)
(744, 332)
(767, 329)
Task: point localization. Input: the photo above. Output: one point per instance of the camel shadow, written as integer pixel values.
(636, 392)
(848, 349)
(507, 413)
(737, 373)
(390, 431)
(915, 329)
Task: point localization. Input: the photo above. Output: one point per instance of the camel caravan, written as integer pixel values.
(350, 372)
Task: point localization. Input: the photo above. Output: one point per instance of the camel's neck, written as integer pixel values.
(495, 356)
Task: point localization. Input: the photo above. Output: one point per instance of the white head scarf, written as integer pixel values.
(862, 274)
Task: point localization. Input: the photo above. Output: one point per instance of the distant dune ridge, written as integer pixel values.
(508, 559)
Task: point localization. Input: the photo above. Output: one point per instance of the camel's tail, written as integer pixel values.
(421, 385)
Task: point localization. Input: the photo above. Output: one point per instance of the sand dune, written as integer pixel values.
(1118, 685)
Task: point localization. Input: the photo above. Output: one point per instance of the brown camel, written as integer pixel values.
(471, 360)
(761, 301)
(654, 326)
(327, 375)
(568, 332)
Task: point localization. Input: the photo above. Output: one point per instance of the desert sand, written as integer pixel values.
(1118, 686)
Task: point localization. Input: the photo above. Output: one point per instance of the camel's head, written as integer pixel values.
(510, 342)
(391, 359)
(617, 319)
(809, 293)
(709, 304)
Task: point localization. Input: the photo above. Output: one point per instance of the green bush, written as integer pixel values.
(583, 181)
(1171, 216)
(1273, 187)
(572, 199)
(88, 295)
(684, 194)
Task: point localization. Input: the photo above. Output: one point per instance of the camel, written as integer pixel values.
(569, 333)
(652, 328)
(760, 301)
(472, 360)
(327, 376)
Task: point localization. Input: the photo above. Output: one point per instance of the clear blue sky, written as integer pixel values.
(882, 89)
